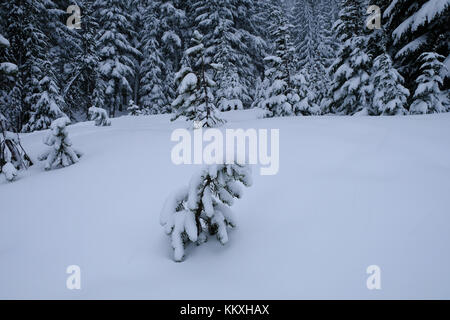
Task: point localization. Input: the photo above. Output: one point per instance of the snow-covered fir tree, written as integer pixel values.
(80, 91)
(305, 100)
(203, 208)
(137, 9)
(60, 152)
(115, 53)
(281, 96)
(279, 68)
(307, 48)
(315, 43)
(390, 96)
(227, 48)
(195, 100)
(153, 90)
(7, 72)
(428, 97)
(230, 40)
(250, 27)
(172, 33)
(250, 47)
(231, 91)
(418, 27)
(35, 81)
(350, 90)
(327, 14)
(262, 22)
(12, 155)
(46, 104)
(64, 50)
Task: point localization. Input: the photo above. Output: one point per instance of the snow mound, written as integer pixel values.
(351, 192)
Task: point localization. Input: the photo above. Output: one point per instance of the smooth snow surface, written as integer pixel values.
(351, 192)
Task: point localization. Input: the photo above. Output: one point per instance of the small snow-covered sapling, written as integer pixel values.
(60, 152)
(204, 207)
(100, 116)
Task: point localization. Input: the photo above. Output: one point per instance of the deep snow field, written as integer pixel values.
(351, 192)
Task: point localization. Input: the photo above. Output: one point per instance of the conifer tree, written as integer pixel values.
(60, 152)
(390, 96)
(229, 39)
(152, 89)
(7, 72)
(227, 49)
(204, 207)
(350, 90)
(46, 104)
(64, 47)
(80, 91)
(172, 35)
(304, 103)
(35, 81)
(418, 27)
(116, 51)
(195, 99)
(315, 44)
(281, 94)
(428, 97)
(12, 156)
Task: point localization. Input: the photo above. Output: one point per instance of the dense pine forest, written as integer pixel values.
(195, 58)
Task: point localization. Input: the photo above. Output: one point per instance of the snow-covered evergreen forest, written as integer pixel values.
(293, 57)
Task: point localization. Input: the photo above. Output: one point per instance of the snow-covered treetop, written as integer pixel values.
(8, 68)
(60, 123)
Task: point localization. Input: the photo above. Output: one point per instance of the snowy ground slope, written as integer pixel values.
(351, 192)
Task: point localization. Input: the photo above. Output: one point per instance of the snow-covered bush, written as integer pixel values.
(60, 152)
(100, 116)
(204, 207)
(12, 156)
